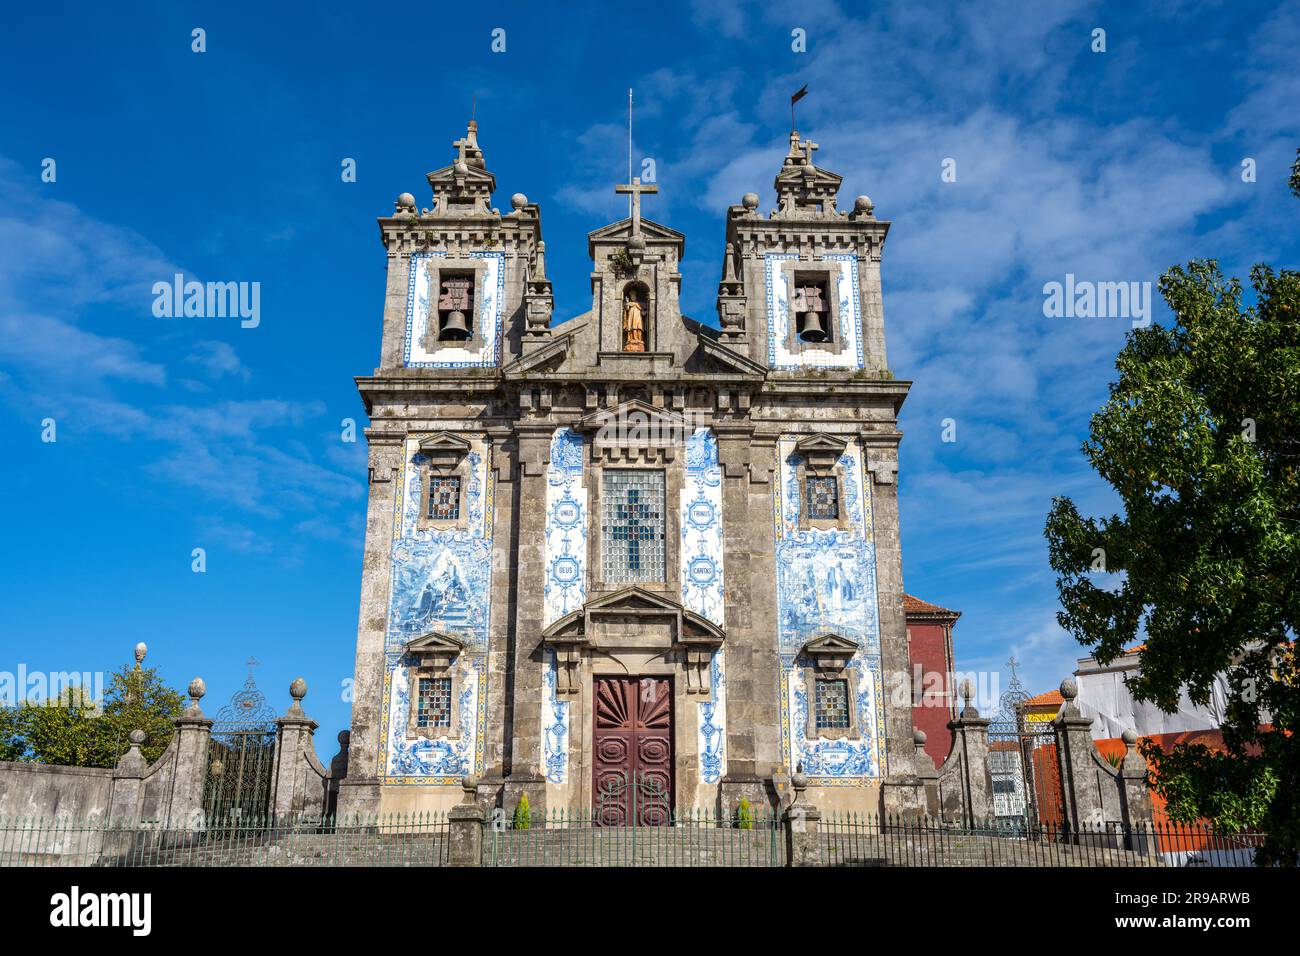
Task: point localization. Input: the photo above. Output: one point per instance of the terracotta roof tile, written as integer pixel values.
(1052, 697)
(913, 605)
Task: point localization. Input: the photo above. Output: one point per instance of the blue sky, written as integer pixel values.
(184, 433)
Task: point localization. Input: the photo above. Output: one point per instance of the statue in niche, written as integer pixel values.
(633, 324)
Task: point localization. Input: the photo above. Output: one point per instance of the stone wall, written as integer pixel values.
(31, 790)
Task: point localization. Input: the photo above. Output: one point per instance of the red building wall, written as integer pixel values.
(934, 700)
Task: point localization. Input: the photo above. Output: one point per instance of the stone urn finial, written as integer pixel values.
(1130, 739)
(141, 650)
(1069, 689)
(197, 689)
(137, 737)
(469, 784)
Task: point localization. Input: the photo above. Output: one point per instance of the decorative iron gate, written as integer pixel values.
(1022, 762)
(241, 756)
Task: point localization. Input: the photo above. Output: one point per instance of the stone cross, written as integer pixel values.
(460, 145)
(636, 189)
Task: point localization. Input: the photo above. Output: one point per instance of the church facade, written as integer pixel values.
(630, 556)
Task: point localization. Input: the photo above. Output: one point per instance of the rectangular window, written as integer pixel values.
(433, 709)
(444, 498)
(823, 498)
(832, 705)
(632, 529)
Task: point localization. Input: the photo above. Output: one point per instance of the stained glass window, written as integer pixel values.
(444, 498)
(433, 709)
(823, 497)
(632, 539)
(832, 705)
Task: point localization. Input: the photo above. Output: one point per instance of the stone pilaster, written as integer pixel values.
(751, 694)
(882, 467)
(359, 792)
(1135, 798)
(524, 707)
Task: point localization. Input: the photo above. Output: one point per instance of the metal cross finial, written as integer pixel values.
(251, 662)
(636, 189)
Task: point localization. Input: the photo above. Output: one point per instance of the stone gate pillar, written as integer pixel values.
(296, 787)
(1081, 799)
(193, 733)
(970, 739)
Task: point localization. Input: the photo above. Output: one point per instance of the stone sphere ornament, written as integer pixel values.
(749, 201)
(137, 737)
(298, 689)
(197, 689)
(141, 650)
(863, 205)
(518, 201)
(1069, 688)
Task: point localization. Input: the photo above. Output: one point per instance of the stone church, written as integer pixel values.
(630, 560)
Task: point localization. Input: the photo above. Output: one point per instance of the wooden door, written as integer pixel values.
(633, 763)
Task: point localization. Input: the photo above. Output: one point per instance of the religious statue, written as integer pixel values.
(633, 324)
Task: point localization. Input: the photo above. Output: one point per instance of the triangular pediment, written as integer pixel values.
(821, 443)
(632, 414)
(472, 174)
(634, 599)
(444, 448)
(728, 358)
(806, 174)
(830, 645)
(435, 642)
(622, 230)
(544, 357)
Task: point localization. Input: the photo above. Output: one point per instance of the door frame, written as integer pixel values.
(670, 680)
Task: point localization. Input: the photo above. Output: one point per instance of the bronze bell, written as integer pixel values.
(812, 330)
(455, 327)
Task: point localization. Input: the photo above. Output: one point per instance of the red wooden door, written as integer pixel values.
(633, 768)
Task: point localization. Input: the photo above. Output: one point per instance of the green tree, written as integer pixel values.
(12, 746)
(1295, 175)
(1199, 440)
(74, 730)
(523, 816)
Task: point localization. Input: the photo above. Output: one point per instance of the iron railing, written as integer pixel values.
(391, 840)
(682, 838)
(848, 839)
(577, 838)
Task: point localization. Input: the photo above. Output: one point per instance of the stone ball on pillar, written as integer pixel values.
(749, 201)
(298, 689)
(197, 689)
(863, 206)
(141, 650)
(518, 201)
(137, 737)
(1069, 688)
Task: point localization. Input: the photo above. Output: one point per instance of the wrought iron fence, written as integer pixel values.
(577, 838)
(246, 840)
(676, 838)
(865, 840)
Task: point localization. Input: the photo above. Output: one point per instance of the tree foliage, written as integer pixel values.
(1200, 440)
(74, 730)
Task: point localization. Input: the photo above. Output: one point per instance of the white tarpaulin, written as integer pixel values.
(1104, 697)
